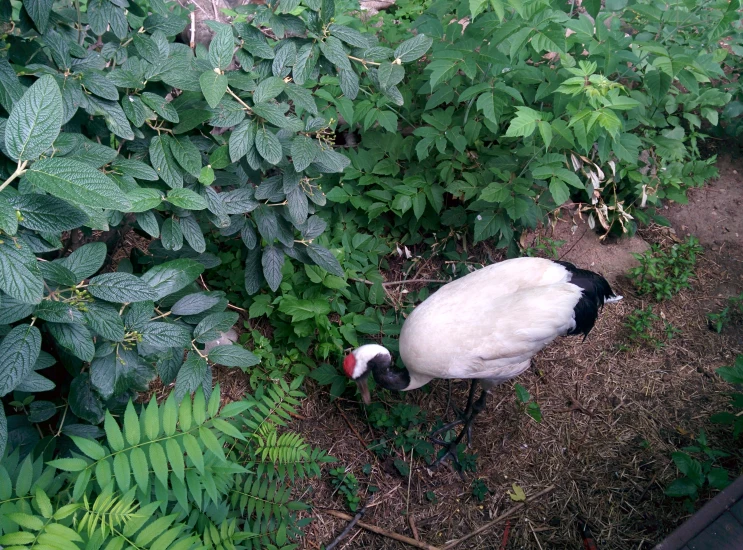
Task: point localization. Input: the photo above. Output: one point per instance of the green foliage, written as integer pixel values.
(345, 483)
(479, 489)
(544, 247)
(733, 375)
(525, 107)
(524, 399)
(697, 473)
(165, 140)
(731, 313)
(664, 273)
(403, 430)
(176, 476)
(642, 324)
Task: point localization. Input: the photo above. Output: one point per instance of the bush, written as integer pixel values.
(522, 108)
(112, 123)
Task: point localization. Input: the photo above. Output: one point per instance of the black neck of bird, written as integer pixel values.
(388, 378)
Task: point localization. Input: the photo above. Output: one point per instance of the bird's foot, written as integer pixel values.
(451, 451)
(445, 428)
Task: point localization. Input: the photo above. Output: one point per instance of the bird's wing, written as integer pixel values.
(479, 338)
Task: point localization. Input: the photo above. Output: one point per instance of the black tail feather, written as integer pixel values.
(596, 292)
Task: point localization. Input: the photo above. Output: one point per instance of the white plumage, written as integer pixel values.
(486, 326)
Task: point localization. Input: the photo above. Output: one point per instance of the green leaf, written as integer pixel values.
(333, 50)
(134, 168)
(187, 155)
(83, 400)
(35, 120)
(20, 277)
(560, 192)
(325, 259)
(680, 488)
(147, 48)
(241, 140)
(233, 356)
(89, 447)
(131, 425)
(268, 146)
(121, 288)
(46, 213)
(221, 46)
(171, 235)
(193, 304)
(105, 321)
(163, 161)
(39, 11)
(268, 89)
(86, 260)
(19, 351)
(414, 48)
(212, 326)
(213, 85)
(161, 106)
(206, 176)
(170, 277)
(8, 218)
(272, 261)
(190, 377)
(164, 335)
(144, 199)
(349, 36)
(192, 233)
(301, 310)
(304, 152)
(185, 198)
(74, 338)
(96, 83)
(78, 183)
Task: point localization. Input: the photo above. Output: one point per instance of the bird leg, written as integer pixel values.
(475, 408)
(463, 416)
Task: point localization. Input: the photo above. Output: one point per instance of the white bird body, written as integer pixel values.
(486, 327)
(490, 323)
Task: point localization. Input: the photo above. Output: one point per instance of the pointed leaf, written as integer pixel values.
(35, 120)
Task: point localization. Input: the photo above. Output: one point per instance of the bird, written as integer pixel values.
(485, 327)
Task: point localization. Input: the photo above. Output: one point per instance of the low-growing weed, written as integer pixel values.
(402, 426)
(544, 247)
(731, 313)
(641, 324)
(526, 404)
(664, 273)
(479, 489)
(733, 375)
(697, 473)
(345, 483)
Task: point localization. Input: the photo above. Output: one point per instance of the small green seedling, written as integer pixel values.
(526, 404)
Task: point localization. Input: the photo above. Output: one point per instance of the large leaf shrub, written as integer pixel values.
(108, 121)
(522, 107)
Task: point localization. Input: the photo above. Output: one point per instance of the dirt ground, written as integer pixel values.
(613, 413)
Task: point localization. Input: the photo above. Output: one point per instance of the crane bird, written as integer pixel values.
(486, 327)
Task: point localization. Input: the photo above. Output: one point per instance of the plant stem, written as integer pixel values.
(19, 171)
(240, 101)
(363, 61)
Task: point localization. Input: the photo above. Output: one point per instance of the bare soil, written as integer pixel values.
(613, 413)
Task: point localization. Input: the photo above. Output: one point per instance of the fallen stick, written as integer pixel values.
(497, 520)
(383, 532)
(348, 528)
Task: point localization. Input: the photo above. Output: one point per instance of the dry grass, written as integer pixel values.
(611, 419)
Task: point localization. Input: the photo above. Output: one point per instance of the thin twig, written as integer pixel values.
(193, 30)
(348, 528)
(506, 533)
(363, 61)
(413, 528)
(19, 171)
(497, 520)
(240, 101)
(383, 532)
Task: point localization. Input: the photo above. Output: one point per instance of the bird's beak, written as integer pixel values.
(364, 390)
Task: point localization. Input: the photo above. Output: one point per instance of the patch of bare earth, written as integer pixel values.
(612, 416)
